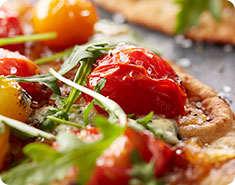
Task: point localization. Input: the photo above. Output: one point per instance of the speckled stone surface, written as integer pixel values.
(212, 64)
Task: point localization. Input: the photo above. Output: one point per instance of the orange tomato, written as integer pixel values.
(73, 20)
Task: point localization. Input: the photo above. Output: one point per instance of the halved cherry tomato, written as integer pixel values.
(140, 82)
(12, 63)
(73, 20)
(10, 26)
(114, 165)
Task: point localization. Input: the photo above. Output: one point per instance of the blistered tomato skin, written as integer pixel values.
(114, 165)
(73, 20)
(140, 82)
(15, 103)
(12, 63)
(10, 26)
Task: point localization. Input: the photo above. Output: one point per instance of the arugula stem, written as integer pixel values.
(64, 122)
(24, 128)
(80, 78)
(25, 38)
(53, 57)
(110, 105)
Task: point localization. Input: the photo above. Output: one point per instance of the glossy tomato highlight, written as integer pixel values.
(114, 165)
(10, 26)
(73, 20)
(14, 64)
(140, 82)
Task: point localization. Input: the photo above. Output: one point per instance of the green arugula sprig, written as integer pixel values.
(115, 111)
(23, 128)
(79, 54)
(99, 86)
(72, 150)
(142, 173)
(26, 38)
(86, 56)
(191, 11)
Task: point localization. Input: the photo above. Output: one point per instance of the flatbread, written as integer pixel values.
(161, 15)
(221, 119)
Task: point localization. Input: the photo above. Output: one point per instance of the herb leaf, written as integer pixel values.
(144, 121)
(85, 53)
(191, 11)
(24, 128)
(74, 152)
(112, 107)
(143, 173)
(45, 79)
(99, 86)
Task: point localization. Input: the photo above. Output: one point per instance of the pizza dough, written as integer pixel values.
(219, 119)
(161, 15)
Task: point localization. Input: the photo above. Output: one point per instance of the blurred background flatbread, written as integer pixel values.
(161, 15)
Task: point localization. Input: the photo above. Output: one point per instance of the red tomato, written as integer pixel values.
(10, 26)
(140, 82)
(114, 165)
(12, 63)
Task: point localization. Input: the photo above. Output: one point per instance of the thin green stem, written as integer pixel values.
(64, 122)
(53, 57)
(80, 78)
(25, 38)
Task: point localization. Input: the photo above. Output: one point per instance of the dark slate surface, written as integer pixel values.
(212, 64)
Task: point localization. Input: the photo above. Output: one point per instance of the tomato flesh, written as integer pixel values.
(140, 82)
(114, 165)
(72, 20)
(10, 26)
(12, 63)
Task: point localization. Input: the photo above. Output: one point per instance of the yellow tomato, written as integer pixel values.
(73, 20)
(15, 104)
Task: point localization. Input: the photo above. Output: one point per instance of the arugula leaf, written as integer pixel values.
(87, 112)
(99, 86)
(88, 52)
(143, 173)
(73, 152)
(144, 121)
(24, 128)
(191, 11)
(45, 79)
(25, 38)
(64, 122)
(114, 110)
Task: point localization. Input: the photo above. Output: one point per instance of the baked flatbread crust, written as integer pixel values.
(221, 120)
(161, 15)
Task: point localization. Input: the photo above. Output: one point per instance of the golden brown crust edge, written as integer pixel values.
(222, 118)
(161, 15)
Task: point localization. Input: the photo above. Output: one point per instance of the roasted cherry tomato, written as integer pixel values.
(73, 20)
(10, 26)
(15, 104)
(12, 63)
(140, 82)
(114, 165)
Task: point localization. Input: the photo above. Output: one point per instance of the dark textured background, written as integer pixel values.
(212, 64)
